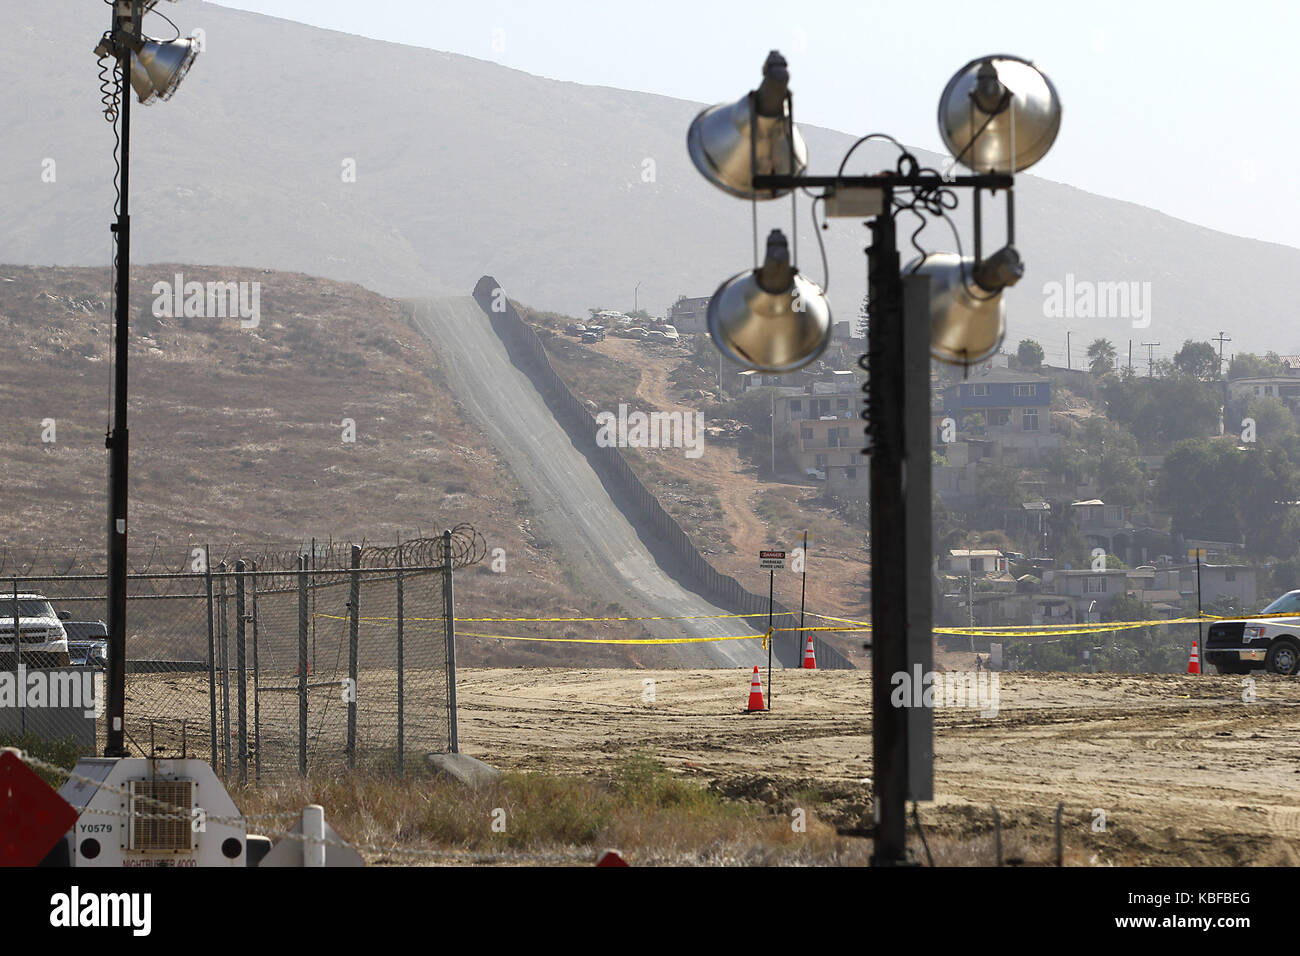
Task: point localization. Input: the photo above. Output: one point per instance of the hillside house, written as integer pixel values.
(690, 315)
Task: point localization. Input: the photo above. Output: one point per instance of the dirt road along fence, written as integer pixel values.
(278, 670)
(528, 353)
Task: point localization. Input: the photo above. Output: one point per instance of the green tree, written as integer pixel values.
(1110, 453)
(1250, 365)
(1217, 491)
(997, 486)
(1274, 421)
(1101, 357)
(1030, 354)
(1161, 410)
(1198, 360)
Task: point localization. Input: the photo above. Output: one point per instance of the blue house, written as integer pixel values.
(1000, 401)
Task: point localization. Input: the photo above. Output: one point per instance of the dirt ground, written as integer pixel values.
(1184, 771)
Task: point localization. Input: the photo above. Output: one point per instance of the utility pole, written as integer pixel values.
(1221, 339)
(1130, 356)
(773, 433)
(1224, 380)
(1067, 350)
(1150, 346)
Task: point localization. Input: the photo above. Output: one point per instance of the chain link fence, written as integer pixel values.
(296, 666)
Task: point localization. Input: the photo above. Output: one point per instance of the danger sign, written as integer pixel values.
(771, 560)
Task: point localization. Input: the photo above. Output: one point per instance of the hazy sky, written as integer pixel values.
(1187, 107)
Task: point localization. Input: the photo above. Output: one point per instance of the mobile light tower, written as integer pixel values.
(998, 115)
(156, 68)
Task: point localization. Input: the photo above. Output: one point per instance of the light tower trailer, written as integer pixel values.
(138, 812)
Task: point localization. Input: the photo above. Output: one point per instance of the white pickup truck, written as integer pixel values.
(41, 634)
(1264, 643)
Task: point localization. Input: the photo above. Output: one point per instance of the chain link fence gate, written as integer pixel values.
(297, 667)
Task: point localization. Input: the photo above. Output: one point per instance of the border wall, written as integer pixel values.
(529, 355)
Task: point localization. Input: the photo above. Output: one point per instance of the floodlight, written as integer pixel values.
(999, 114)
(158, 66)
(770, 319)
(732, 142)
(967, 311)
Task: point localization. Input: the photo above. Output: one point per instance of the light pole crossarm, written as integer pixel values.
(885, 181)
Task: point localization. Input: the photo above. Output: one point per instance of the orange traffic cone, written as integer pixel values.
(755, 693)
(1194, 662)
(809, 657)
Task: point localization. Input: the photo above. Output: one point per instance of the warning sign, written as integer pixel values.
(32, 815)
(771, 560)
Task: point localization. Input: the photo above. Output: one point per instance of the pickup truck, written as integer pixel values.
(1264, 643)
(40, 631)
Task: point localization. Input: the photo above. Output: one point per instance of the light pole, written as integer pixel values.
(997, 116)
(155, 69)
(636, 301)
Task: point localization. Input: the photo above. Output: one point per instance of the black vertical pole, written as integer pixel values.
(241, 690)
(223, 620)
(117, 441)
(18, 659)
(803, 594)
(888, 538)
(449, 615)
(257, 689)
(212, 656)
(354, 601)
(401, 671)
(1200, 637)
(302, 665)
(771, 638)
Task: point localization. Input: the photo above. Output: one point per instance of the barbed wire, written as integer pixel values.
(468, 547)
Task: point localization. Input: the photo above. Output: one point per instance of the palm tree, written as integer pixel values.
(1101, 357)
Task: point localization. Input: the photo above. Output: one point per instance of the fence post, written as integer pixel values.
(241, 692)
(18, 660)
(449, 615)
(257, 690)
(997, 835)
(1060, 849)
(354, 601)
(212, 659)
(401, 671)
(302, 665)
(224, 619)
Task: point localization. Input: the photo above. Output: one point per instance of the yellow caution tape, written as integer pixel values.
(533, 620)
(610, 640)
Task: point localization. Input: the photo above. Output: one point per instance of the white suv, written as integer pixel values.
(44, 641)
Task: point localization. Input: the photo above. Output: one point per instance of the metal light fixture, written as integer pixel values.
(968, 317)
(732, 142)
(155, 69)
(771, 319)
(158, 66)
(999, 114)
